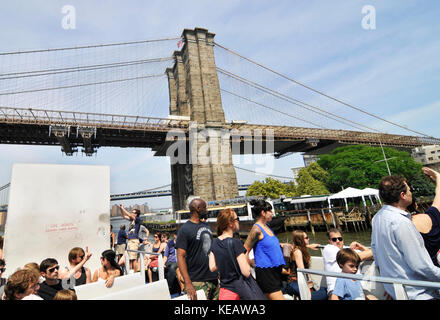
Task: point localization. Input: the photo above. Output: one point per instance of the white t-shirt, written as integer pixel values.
(329, 256)
(32, 297)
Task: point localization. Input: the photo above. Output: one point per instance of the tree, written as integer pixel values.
(271, 188)
(422, 186)
(317, 172)
(311, 181)
(308, 184)
(362, 166)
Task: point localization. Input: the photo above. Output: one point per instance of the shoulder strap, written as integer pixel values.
(231, 254)
(262, 230)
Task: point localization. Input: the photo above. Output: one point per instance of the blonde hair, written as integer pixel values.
(75, 252)
(65, 295)
(34, 267)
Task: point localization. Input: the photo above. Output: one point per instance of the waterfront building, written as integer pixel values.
(427, 155)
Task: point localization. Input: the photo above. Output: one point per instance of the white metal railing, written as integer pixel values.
(396, 282)
(76, 118)
(160, 267)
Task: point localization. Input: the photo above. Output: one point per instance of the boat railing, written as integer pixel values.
(398, 284)
(160, 267)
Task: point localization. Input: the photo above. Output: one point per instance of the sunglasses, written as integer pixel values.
(81, 257)
(53, 269)
(306, 237)
(335, 239)
(236, 219)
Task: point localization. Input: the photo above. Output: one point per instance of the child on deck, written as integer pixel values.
(348, 289)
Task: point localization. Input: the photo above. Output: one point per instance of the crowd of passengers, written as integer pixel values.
(405, 244)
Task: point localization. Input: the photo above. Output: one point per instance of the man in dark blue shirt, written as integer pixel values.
(133, 234)
(122, 241)
(170, 259)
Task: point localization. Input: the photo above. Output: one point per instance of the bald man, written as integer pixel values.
(193, 246)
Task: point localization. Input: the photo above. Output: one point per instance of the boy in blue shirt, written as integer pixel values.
(348, 289)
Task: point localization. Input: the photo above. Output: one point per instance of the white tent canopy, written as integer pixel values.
(372, 192)
(354, 193)
(347, 193)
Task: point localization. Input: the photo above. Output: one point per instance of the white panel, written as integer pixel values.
(369, 268)
(53, 208)
(98, 289)
(152, 291)
(317, 263)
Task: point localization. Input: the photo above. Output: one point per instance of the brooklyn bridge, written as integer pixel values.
(203, 97)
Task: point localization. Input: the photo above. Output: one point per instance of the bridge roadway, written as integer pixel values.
(152, 194)
(134, 195)
(90, 131)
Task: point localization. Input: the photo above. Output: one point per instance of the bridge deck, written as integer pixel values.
(34, 127)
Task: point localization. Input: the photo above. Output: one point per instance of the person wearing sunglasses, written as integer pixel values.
(336, 243)
(220, 258)
(52, 284)
(301, 258)
(77, 258)
(133, 235)
(269, 259)
(152, 261)
(109, 270)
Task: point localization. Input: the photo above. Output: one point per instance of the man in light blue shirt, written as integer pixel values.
(397, 246)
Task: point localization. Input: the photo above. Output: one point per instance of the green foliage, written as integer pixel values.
(310, 181)
(362, 166)
(317, 172)
(308, 184)
(422, 186)
(271, 188)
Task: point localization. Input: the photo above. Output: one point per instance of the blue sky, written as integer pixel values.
(391, 71)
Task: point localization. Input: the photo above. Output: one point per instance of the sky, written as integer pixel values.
(391, 70)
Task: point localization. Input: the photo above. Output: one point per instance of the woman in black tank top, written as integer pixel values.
(77, 258)
(158, 247)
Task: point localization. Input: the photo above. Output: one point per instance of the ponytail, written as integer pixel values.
(258, 206)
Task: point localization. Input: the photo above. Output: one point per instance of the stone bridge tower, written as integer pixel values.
(195, 92)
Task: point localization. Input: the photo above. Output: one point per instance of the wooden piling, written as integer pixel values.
(310, 222)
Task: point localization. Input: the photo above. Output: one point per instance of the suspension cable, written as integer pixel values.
(36, 73)
(296, 101)
(321, 93)
(271, 108)
(81, 85)
(88, 47)
(264, 174)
